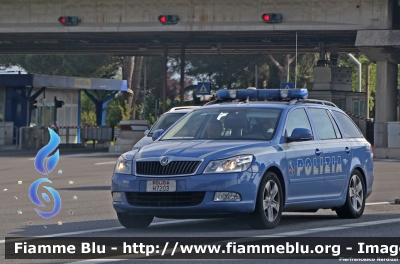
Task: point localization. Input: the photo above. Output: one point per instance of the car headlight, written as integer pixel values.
(233, 164)
(123, 165)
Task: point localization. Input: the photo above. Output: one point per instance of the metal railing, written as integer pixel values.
(36, 137)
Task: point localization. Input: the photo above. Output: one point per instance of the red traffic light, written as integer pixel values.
(162, 19)
(272, 17)
(266, 17)
(62, 20)
(69, 20)
(168, 19)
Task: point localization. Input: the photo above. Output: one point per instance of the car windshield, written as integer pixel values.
(165, 121)
(226, 123)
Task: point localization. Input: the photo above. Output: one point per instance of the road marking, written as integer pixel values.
(379, 203)
(285, 234)
(387, 160)
(106, 229)
(87, 155)
(94, 261)
(333, 228)
(108, 162)
(294, 233)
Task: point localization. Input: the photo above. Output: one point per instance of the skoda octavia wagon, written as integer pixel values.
(256, 153)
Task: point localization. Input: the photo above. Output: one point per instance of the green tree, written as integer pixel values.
(88, 111)
(226, 71)
(305, 69)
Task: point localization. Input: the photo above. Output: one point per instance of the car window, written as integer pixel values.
(165, 121)
(297, 119)
(349, 128)
(323, 123)
(335, 126)
(226, 123)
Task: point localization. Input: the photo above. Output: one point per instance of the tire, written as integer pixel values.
(269, 203)
(355, 198)
(134, 221)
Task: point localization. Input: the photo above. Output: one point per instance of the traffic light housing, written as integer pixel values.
(32, 104)
(57, 103)
(272, 17)
(69, 20)
(168, 19)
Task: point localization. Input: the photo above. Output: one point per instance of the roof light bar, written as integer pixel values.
(262, 94)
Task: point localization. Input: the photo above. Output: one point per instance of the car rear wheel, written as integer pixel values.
(134, 221)
(269, 203)
(355, 199)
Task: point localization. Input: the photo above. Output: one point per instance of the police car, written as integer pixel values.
(252, 152)
(164, 122)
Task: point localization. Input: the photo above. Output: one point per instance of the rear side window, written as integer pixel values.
(349, 128)
(323, 124)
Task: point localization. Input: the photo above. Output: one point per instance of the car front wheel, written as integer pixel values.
(355, 199)
(134, 221)
(269, 203)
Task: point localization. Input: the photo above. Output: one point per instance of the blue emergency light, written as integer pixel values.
(262, 94)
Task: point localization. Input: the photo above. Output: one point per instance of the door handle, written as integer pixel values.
(347, 149)
(318, 152)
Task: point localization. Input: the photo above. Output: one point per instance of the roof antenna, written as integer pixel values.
(295, 74)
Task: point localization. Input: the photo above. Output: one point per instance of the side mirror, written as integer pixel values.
(146, 132)
(157, 134)
(300, 134)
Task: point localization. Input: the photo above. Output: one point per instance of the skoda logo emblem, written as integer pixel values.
(164, 161)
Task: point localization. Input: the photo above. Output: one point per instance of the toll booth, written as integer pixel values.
(29, 101)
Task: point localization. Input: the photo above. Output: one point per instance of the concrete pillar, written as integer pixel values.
(385, 100)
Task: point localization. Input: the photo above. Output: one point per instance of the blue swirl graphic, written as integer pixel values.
(45, 151)
(35, 199)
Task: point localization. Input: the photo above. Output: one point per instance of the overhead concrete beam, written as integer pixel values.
(379, 45)
(22, 16)
(368, 38)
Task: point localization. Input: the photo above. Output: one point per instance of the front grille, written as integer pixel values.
(165, 199)
(173, 168)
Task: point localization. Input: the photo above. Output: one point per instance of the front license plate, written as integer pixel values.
(161, 186)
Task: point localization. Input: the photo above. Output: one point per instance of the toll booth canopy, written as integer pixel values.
(47, 100)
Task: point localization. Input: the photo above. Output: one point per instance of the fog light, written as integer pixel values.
(227, 197)
(117, 197)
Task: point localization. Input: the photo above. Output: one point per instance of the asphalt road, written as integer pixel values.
(83, 182)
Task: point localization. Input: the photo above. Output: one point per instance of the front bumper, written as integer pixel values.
(244, 183)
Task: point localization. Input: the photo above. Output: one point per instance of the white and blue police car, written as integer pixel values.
(252, 152)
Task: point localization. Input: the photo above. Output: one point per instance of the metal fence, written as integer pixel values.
(8, 134)
(36, 137)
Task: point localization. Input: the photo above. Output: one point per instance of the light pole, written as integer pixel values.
(144, 93)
